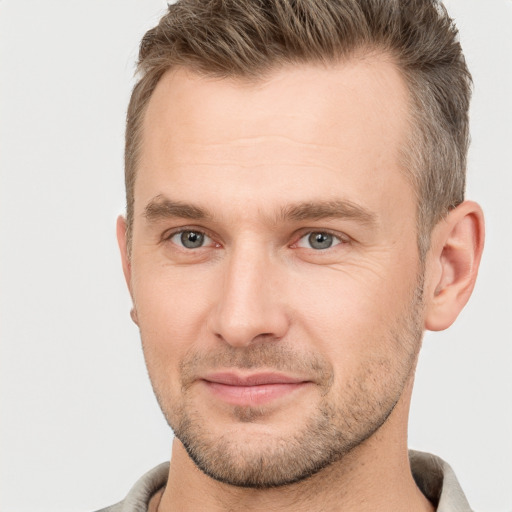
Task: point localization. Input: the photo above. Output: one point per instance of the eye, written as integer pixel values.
(319, 240)
(190, 239)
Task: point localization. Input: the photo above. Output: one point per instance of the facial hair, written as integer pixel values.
(343, 418)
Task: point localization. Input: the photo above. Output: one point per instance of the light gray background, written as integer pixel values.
(79, 423)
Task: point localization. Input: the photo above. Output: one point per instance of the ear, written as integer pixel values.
(125, 259)
(452, 264)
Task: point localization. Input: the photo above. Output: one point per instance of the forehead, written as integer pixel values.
(296, 132)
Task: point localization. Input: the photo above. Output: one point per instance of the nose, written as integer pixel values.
(251, 306)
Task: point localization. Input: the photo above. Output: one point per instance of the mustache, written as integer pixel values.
(268, 355)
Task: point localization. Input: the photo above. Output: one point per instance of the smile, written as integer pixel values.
(251, 390)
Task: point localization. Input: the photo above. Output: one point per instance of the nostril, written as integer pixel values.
(231, 338)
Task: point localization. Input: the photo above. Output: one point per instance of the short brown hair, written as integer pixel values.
(249, 38)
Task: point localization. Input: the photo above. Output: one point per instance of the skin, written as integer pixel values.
(344, 323)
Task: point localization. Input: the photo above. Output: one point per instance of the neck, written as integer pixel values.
(375, 475)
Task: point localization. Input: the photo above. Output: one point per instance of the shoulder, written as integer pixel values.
(437, 481)
(118, 507)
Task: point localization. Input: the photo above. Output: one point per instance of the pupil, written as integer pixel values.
(320, 240)
(192, 239)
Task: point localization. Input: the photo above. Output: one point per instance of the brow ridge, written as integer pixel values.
(334, 209)
(161, 207)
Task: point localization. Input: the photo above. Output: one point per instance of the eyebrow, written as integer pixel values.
(336, 209)
(161, 207)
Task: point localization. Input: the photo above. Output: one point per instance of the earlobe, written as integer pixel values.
(133, 315)
(452, 264)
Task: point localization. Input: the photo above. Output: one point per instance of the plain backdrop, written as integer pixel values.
(79, 423)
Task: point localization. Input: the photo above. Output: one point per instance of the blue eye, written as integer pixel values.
(318, 240)
(190, 239)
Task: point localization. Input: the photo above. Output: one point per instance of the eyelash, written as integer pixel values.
(168, 236)
(341, 239)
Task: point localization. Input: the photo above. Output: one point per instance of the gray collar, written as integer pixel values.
(432, 475)
(438, 482)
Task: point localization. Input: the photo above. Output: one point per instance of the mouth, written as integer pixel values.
(252, 389)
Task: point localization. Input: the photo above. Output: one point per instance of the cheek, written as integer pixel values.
(172, 309)
(370, 341)
(353, 312)
(169, 297)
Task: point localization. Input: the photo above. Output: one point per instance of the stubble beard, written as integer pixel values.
(343, 419)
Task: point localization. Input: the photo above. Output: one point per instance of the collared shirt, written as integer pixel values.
(432, 475)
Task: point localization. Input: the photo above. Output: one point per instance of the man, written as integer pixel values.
(295, 221)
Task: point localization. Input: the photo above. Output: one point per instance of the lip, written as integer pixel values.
(252, 389)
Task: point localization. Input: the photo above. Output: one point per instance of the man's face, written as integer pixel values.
(274, 269)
